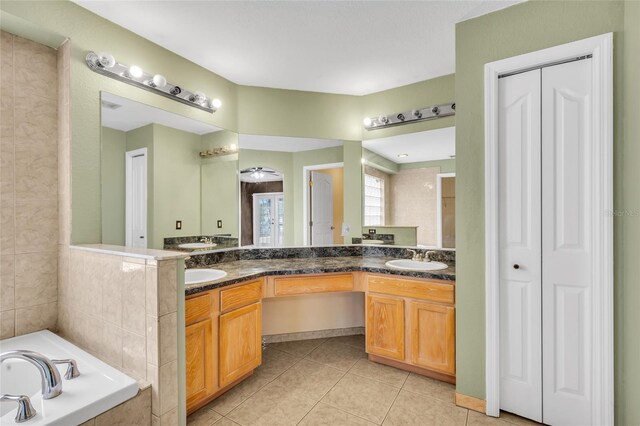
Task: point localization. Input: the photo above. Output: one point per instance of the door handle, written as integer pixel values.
(141, 237)
(516, 266)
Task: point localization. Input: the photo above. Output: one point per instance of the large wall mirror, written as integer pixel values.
(409, 189)
(158, 190)
(292, 191)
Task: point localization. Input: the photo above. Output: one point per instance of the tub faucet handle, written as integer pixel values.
(72, 369)
(25, 409)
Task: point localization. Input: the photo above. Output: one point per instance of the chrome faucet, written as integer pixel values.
(206, 240)
(25, 409)
(428, 255)
(414, 255)
(51, 381)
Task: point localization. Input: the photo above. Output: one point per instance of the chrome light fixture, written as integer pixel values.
(406, 117)
(217, 152)
(105, 64)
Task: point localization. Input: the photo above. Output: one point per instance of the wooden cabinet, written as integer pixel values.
(433, 337)
(201, 357)
(240, 342)
(416, 313)
(385, 326)
(308, 284)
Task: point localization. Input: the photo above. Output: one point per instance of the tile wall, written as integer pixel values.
(123, 310)
(29, 186)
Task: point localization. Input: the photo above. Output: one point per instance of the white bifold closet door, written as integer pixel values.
(546, 223)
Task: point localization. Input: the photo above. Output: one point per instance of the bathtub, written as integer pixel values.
(99, 387)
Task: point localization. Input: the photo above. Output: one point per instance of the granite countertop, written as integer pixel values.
(243, 270)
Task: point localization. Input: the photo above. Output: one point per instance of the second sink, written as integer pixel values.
(197, 276)
(415, 265)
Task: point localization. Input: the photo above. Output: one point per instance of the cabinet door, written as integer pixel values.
(240, 347)
(433, 336)
(199, 362)
(385, 326)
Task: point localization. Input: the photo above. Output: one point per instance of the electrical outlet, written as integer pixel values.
(219, 224)
(178, 224)
(372, 231)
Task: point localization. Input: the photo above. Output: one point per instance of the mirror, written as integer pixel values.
(293, 190)
(409, 189)
(167, 180)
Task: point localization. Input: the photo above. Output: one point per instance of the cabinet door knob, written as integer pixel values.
(516, 266)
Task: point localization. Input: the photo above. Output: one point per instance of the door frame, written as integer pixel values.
(439, 177)
(128, 211)
(601, 49)
(306, 195)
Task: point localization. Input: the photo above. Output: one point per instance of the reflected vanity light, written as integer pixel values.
(406, 117)
(105, 64)
(218, 152)
(403, 155)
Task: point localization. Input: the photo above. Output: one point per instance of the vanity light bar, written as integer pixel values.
(105, 64)
(413, 116)
(217, 152)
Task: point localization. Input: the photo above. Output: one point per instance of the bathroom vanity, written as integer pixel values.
(409, 316)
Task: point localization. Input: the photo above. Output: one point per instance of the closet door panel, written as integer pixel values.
(567, 221)
(520, 268)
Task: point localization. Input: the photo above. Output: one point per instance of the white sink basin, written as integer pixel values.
(197, 276)
(197, 246)
(415, 265)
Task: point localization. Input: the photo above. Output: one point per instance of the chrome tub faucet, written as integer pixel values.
(25, 409)
(51, 381)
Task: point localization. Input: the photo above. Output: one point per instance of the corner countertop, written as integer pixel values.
(243, 270)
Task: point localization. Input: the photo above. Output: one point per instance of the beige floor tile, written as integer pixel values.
(203, 417)
(430, 387)
(514, 419)
(357, 340)
(326, 415)
(299, 348)
(238, 394)
(310, 379)
(337, 355)
(272, 405)
(382, 373)
(362, 397)
(479, 419)
(275, 363)
(414, 409)
(225, 422)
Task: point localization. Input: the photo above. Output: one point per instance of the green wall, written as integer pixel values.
(177, 184)
(402, 235)
(114, 145)
(627, 242)
(516, 30)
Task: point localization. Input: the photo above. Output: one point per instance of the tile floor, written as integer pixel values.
(331, 382)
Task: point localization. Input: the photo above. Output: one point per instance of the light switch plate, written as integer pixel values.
(219, 224)
(178, 224)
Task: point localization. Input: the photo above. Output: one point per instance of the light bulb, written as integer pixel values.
(383, 119)
(159, 80)
(403, 155)
(233, 147)
(367, 121)
(198, 97)
(362, 160)
(106, 59)
(216, 103)
(135, 71)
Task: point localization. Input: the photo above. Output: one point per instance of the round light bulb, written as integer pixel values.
(135, 71)
(199, 97)
(106, 59)
(216, 103)
(363, 161)
(383, 119)
(233, 147)
(367, 121)
(159, 80)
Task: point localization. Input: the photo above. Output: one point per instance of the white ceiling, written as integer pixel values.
(429, 145)
(347, 47)
(284, 144)
(131, 115)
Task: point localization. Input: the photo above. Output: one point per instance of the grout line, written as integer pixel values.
(394, 399)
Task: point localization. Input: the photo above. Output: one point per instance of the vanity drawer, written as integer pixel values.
(437, 291)
(289, 285)
(240, 296)
(200, 307)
